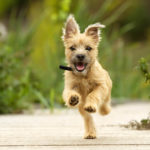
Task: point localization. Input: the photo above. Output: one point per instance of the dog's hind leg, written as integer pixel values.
(90, 131)
(105, 106)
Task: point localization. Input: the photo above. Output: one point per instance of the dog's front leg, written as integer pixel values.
(90, 131)
(96, 98)
(71, 97)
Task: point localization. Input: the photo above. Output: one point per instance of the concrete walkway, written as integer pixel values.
(64, 130)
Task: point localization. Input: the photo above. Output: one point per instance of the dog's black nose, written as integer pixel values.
(80, 57)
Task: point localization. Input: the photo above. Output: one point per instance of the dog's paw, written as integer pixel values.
(74, 100)
(90, 136)
(90, 108)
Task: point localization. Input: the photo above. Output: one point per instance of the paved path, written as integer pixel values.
(64, 130)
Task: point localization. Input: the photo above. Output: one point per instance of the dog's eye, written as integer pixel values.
(72, 48)
(88, 48)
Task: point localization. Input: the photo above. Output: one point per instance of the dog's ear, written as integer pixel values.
(71, 28)
(93, 31)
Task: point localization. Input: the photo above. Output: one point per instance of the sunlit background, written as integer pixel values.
(31, 49)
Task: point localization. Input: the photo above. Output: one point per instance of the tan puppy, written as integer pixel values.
(88, 85)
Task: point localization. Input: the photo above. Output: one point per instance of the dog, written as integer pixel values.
(88, 86)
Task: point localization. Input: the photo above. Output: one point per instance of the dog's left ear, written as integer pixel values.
(93, 31)
(71, 28)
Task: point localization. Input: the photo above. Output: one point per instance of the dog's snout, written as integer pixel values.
(80, 57)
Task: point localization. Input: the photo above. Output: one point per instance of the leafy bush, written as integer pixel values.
(20, 85)
(17, 82)
(143, 64)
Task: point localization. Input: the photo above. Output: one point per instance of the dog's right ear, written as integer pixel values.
(71, 28)
(94, 32)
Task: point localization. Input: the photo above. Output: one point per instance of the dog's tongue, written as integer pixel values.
(80, 66)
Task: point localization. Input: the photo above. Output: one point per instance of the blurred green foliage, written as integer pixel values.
(35, 49)
(17, 82)
(144, 69)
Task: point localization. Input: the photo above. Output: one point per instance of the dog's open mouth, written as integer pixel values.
(80, 66)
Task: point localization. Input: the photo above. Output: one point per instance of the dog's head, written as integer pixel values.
(81, 48)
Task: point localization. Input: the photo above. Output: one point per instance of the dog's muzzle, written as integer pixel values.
(80, 66)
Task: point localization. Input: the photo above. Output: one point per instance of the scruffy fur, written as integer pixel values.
(90, 89)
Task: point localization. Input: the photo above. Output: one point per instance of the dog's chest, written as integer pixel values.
(85, 86)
